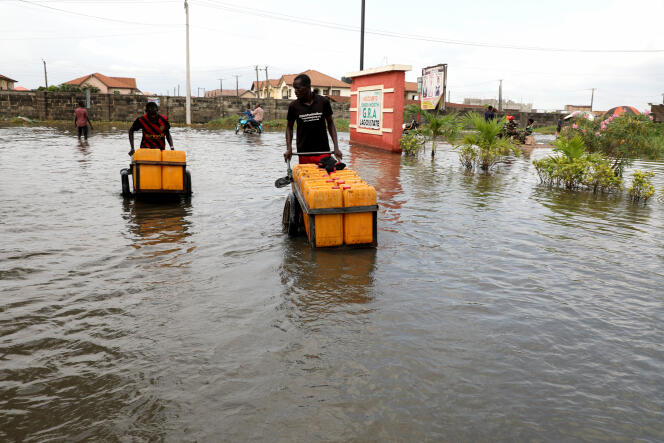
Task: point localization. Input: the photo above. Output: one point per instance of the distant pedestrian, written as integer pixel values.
(559, 127)
(489, 114)
(82, 120)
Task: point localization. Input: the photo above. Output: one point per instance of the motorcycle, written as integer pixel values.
(413, 126)
(243, 124)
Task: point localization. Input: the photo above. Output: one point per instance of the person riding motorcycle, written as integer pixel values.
(510, 128)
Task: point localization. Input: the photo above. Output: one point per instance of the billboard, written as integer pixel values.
(369, 109)
(154, 100)
(434, 85)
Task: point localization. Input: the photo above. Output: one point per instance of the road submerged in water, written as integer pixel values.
(494, 308)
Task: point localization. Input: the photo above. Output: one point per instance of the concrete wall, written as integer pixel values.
(113, 107)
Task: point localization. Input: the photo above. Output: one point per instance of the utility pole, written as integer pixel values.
(362, 40)
(188, 100)
(267, 83)
(178, 90)
(45, 77)
(221, 87)
(258, 84)
(592, 99)
(500, 96)
(663, 99)
(237, 90)
(449, 96)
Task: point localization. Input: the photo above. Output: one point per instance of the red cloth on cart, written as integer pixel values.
(306, 159)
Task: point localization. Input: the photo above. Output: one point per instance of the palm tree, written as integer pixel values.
(484, 146)
(572, 148)
(446, 127)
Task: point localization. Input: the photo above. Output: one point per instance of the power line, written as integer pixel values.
(84, 37)
(314, 22)
(96, 17)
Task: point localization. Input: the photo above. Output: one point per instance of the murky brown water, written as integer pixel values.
(494, 309)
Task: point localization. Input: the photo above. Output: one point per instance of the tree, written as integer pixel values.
(483, 147)
(447, 127)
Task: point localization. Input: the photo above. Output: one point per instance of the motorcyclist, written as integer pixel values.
(510, 128)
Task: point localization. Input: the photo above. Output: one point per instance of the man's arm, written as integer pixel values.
(332, 129)
(131, 141)
(169, 138)
(289, 140)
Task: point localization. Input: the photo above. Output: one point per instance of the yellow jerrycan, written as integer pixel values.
(329, 227)
(146, 177)
(172, 174)
(358, 227)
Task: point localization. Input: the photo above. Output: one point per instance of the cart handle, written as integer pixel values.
(312, 153)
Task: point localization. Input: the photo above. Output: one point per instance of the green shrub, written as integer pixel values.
(575, 168)
(620, 139)
(410, 144)
(483, 148)
(642, 188)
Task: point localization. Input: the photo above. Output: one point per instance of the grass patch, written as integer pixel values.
(550, 130)
(342, 124)
(223, 122)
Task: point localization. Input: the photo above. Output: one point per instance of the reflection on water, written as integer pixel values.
(319, 282)
(494, 308)
(159, 228)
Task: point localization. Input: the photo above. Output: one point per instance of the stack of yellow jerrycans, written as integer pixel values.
(337, 209)
(157, 172)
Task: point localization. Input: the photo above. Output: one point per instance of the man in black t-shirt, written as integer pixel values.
(312, 112)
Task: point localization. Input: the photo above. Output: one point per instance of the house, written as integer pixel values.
(572, 108)
(242, 93)
(107, 85)
(411, 91)
(508, 105)
(20, 88)
(265, 89)
(321, 84)
(6, 83)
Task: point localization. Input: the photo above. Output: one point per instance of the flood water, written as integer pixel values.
(494, 308)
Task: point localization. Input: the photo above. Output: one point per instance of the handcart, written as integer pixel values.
(296, 209)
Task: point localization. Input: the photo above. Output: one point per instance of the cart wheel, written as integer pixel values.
(237, 128)
(292, 216)
(124, 177)
(188, 183)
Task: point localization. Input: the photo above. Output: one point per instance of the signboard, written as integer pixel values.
(434, 84)
(154, 100)
(369, 109)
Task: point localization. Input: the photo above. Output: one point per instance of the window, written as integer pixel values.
(336, 92)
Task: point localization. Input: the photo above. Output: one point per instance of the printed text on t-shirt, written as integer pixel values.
(312, 117)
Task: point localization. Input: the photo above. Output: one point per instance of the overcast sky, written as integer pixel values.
(145, 39)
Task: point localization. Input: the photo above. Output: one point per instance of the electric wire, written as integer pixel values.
(315, 22)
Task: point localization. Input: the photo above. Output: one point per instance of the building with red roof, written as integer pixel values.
(282, 87)
(106, 84)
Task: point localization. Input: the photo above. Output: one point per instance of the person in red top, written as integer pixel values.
(155, 127)
(82, 120)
